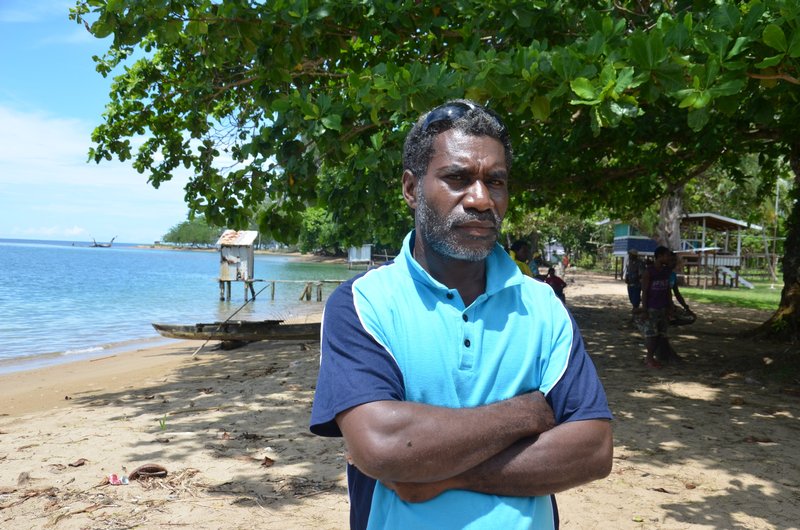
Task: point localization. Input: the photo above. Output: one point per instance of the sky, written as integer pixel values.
(51, 98)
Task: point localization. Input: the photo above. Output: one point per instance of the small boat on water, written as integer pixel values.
(241, 330)
(95, 244)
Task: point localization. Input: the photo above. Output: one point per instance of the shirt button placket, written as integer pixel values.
(467, 355)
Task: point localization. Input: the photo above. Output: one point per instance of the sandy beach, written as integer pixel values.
(709, 444)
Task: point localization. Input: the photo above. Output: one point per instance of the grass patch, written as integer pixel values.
(761, 297)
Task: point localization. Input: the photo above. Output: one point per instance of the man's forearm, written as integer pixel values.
(564, 457)
(413, 442)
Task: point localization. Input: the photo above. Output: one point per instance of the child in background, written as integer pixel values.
(556, 283)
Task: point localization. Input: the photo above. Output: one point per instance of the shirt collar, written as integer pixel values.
(501, 271)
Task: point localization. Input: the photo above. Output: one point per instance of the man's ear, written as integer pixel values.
(410, 189)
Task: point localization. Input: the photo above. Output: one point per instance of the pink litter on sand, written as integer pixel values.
(114, 480)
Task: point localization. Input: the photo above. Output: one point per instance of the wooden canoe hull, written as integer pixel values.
(241, 330)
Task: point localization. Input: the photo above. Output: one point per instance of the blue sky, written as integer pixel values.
(51, 98)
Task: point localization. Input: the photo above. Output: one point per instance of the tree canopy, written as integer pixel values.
(306, 102)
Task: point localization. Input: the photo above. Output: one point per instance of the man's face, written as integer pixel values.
(461, 200)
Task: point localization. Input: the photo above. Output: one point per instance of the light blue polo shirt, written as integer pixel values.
(395, 333)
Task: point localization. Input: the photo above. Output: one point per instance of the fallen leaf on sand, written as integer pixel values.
(661, 490)
(148, 470)
(267, 462)
(757, 440)
(78, 463)
(690, 486)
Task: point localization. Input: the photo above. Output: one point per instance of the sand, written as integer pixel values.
(709, 444)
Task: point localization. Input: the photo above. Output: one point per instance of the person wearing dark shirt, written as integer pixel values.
(656, 300)
(556, 283)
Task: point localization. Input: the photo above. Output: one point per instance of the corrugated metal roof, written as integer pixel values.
(717, 222)
(644, 245)
(240, 238)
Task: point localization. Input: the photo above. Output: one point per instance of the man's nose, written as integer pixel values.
(478, 196)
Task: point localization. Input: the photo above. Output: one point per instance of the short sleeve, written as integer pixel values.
(578, 394)
(354, 367)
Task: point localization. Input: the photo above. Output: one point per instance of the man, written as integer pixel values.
(462, 387)
(520, 252)
(656, 300)
(633, 278)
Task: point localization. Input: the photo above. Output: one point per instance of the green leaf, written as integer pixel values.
(703, 99)
(794, 45)
(197, 27)
(728, 88)
(774, 37)
(582, 87)
(698, 118)
(726, 16)
(648, 50)
(770, 61)
(541, 108)
(689, 100)
(738, 46)
(332, 121)
(595, 44)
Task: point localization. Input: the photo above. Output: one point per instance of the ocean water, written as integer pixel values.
(61, 301)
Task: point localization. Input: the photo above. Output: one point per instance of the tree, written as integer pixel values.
(194, 232)
(319, 233)
(610, 103)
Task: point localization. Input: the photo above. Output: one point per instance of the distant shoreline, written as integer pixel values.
(296, 255)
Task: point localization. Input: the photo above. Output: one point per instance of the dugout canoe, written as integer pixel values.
(241, 330)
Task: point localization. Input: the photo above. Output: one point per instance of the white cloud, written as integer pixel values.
(48, 190)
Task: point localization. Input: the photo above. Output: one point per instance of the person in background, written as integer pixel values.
(521, 254)
(655, 306)
(556, 283)
(634, 270)
(462, 387)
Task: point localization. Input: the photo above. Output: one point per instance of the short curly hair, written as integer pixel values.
(469, 118)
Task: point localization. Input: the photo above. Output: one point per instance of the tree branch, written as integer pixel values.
(785, 77)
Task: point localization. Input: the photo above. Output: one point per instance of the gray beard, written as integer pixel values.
(438, 234)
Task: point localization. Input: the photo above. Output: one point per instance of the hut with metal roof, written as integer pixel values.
(627, 238)
(236, 261)
(707, 248)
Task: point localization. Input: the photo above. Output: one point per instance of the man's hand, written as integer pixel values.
(541, 410)
(403, 441)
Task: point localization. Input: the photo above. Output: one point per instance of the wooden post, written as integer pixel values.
(228, 291)
(319, 292)
(306, 292)
(273, 291)
(221, 291)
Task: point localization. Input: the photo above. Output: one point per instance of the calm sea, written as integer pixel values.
(61, 301)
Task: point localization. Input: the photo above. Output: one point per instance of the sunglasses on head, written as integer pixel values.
(450, 112)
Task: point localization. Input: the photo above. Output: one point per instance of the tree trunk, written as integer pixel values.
(669, 222)
(785, 323)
